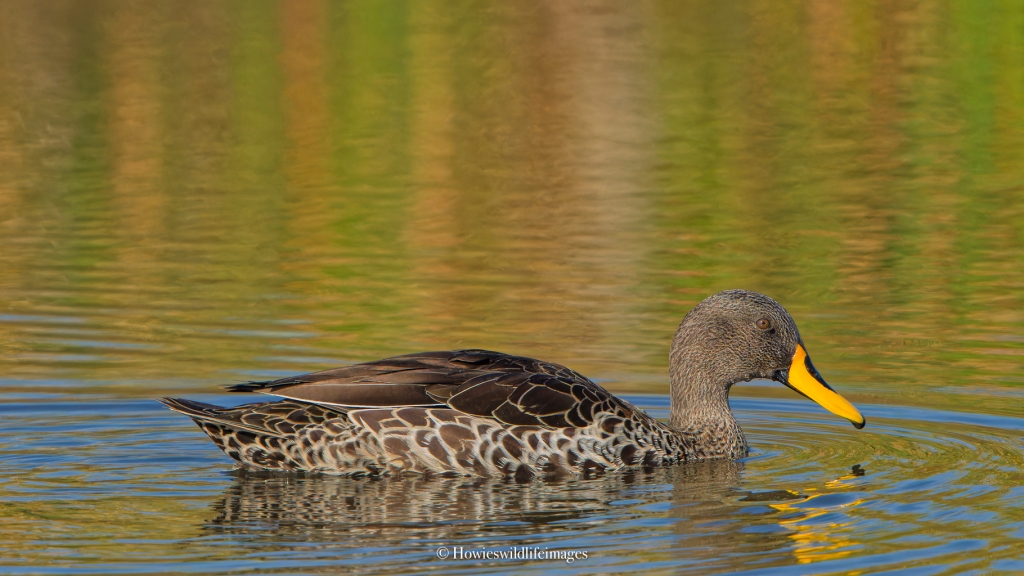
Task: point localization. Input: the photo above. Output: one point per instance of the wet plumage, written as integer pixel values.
(485, 413)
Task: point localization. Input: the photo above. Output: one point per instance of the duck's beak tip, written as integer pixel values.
(804, 378)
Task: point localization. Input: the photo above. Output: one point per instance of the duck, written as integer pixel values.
(481, 413)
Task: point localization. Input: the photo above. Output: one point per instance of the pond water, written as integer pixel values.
(195, 194)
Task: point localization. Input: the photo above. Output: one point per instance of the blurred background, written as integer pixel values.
(196, 193)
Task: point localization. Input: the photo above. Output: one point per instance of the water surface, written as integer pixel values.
(196, 194)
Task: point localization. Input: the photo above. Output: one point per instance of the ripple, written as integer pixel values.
(911, 469)
(928, 491)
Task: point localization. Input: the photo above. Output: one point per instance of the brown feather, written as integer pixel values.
(512, 389)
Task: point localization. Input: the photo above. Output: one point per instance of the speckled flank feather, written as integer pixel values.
(290, 435)
(484, 413)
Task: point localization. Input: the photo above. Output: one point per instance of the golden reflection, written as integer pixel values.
(308, 165)
(135, 122)
(433, 229)
(814, 540)
(11, 125)
(303, 61)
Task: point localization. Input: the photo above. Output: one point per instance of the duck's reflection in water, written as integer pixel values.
(690, 507)
(440, 506)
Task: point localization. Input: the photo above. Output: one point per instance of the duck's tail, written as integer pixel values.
(248, 443)
(268, 435)
(191, 408)
(233, 418)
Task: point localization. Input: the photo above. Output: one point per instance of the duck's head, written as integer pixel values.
(736, 336)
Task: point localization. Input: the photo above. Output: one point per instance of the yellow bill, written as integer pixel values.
(805, 379)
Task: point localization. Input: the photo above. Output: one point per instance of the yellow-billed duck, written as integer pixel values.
(486, 413)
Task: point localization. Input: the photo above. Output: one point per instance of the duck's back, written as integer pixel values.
(465, 411)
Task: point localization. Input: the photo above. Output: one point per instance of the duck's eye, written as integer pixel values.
(763, 324)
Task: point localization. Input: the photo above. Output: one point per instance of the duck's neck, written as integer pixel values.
(699, 410)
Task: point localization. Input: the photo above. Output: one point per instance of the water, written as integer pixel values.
(196, 194)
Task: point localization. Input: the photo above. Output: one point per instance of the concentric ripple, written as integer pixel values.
(783, 432)
(900, 489)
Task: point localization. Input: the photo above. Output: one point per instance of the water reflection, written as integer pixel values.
(700, 509)
(440, 506)
(567, 187)
(695, 502)
(819, 524)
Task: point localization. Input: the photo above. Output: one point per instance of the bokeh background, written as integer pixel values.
(198, 193)
(190, 188)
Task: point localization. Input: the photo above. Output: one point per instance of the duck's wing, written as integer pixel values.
(511, 389)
